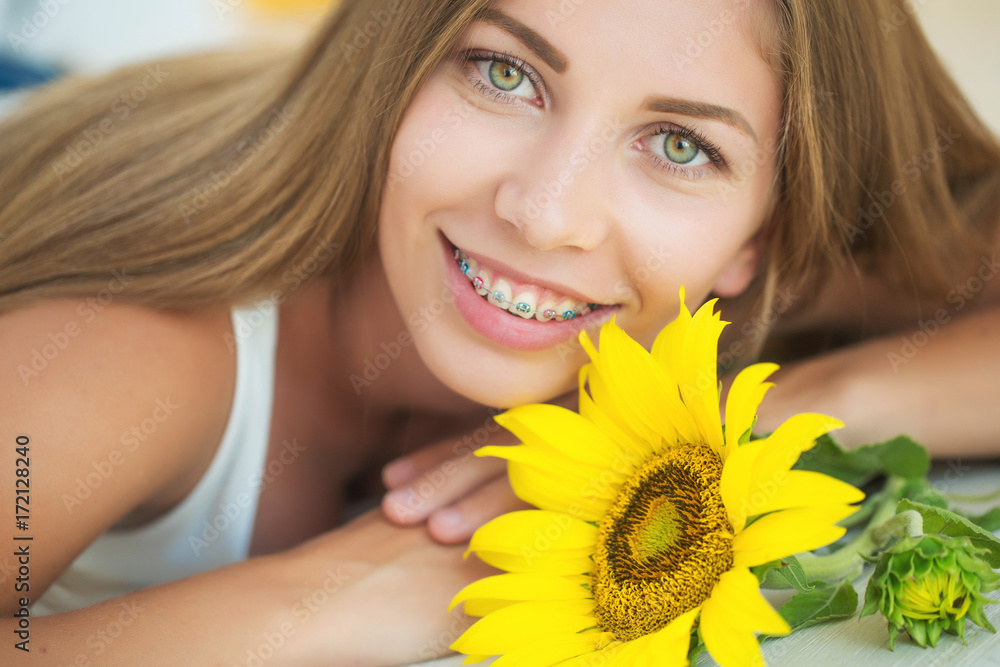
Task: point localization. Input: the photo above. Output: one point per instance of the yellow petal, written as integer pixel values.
(610, 404)
(475, 659)
(521, 587)
(734, 486)
(512, 627)
(728, 635)
(539, 562)
(549, 491)
(766, 460)
(545, 531)
(552, 650)
(632, 654)
(564, 430)
(788, 532)
(566, 475)
(697, 376)
(796, 435)
(636, 449)
(668, 347)
(483, 607)
(798, 488)
(617, 654)
(669, 646)
(641, 392)
(737, 594)
(745, 395)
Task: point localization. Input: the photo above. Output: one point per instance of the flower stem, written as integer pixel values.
(885, 526)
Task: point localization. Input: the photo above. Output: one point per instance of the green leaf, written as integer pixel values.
(783, 574)
(826, 602)
(831, 459)
(944, 522)
(900, 457)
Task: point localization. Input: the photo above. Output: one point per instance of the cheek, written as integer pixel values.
(679, 239)
(442, 154)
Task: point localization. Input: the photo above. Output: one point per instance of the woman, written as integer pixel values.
(416, 171)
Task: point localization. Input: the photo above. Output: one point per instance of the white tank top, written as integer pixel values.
(213, 525)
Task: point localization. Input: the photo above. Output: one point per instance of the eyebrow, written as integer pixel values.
(552, 56)
(558, 61)
(700, 110)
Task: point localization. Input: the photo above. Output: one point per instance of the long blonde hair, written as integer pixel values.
(234, 168)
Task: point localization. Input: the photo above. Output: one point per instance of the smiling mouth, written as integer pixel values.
(518, 298)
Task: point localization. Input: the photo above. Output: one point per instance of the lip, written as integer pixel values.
(510, 272)
(511, 331)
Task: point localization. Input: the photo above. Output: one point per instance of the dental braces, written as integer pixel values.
(520, 307)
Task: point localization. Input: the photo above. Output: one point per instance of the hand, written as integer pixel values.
(379, 594)
(450, 488)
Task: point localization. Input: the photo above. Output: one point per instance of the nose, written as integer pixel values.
(558, 194)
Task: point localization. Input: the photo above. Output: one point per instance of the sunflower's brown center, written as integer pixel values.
(664, 543)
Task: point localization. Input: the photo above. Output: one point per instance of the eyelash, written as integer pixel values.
(711, 150)
(507, 59)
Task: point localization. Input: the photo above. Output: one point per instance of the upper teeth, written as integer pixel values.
(525, 303)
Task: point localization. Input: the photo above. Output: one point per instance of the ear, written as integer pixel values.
(741, 269)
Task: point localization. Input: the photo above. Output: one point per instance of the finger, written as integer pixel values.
(406, 469)
(457, 522)
(440, 487)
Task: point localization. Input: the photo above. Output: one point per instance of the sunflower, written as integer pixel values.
(650, 512)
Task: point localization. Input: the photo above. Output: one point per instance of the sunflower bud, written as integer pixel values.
(929, 584)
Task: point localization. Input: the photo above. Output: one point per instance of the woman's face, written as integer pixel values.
(579, 153)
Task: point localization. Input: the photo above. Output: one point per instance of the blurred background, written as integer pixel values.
(43, 38)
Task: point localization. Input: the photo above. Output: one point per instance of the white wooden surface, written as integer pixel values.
(865, 643)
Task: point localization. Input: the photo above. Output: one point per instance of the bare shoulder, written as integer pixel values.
(114, 405)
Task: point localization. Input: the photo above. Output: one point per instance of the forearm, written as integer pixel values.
(219, 617)
(937, 383)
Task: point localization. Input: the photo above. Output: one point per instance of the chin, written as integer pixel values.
(500, 381)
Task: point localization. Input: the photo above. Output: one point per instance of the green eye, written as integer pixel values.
(680, 149)
(505, 77)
